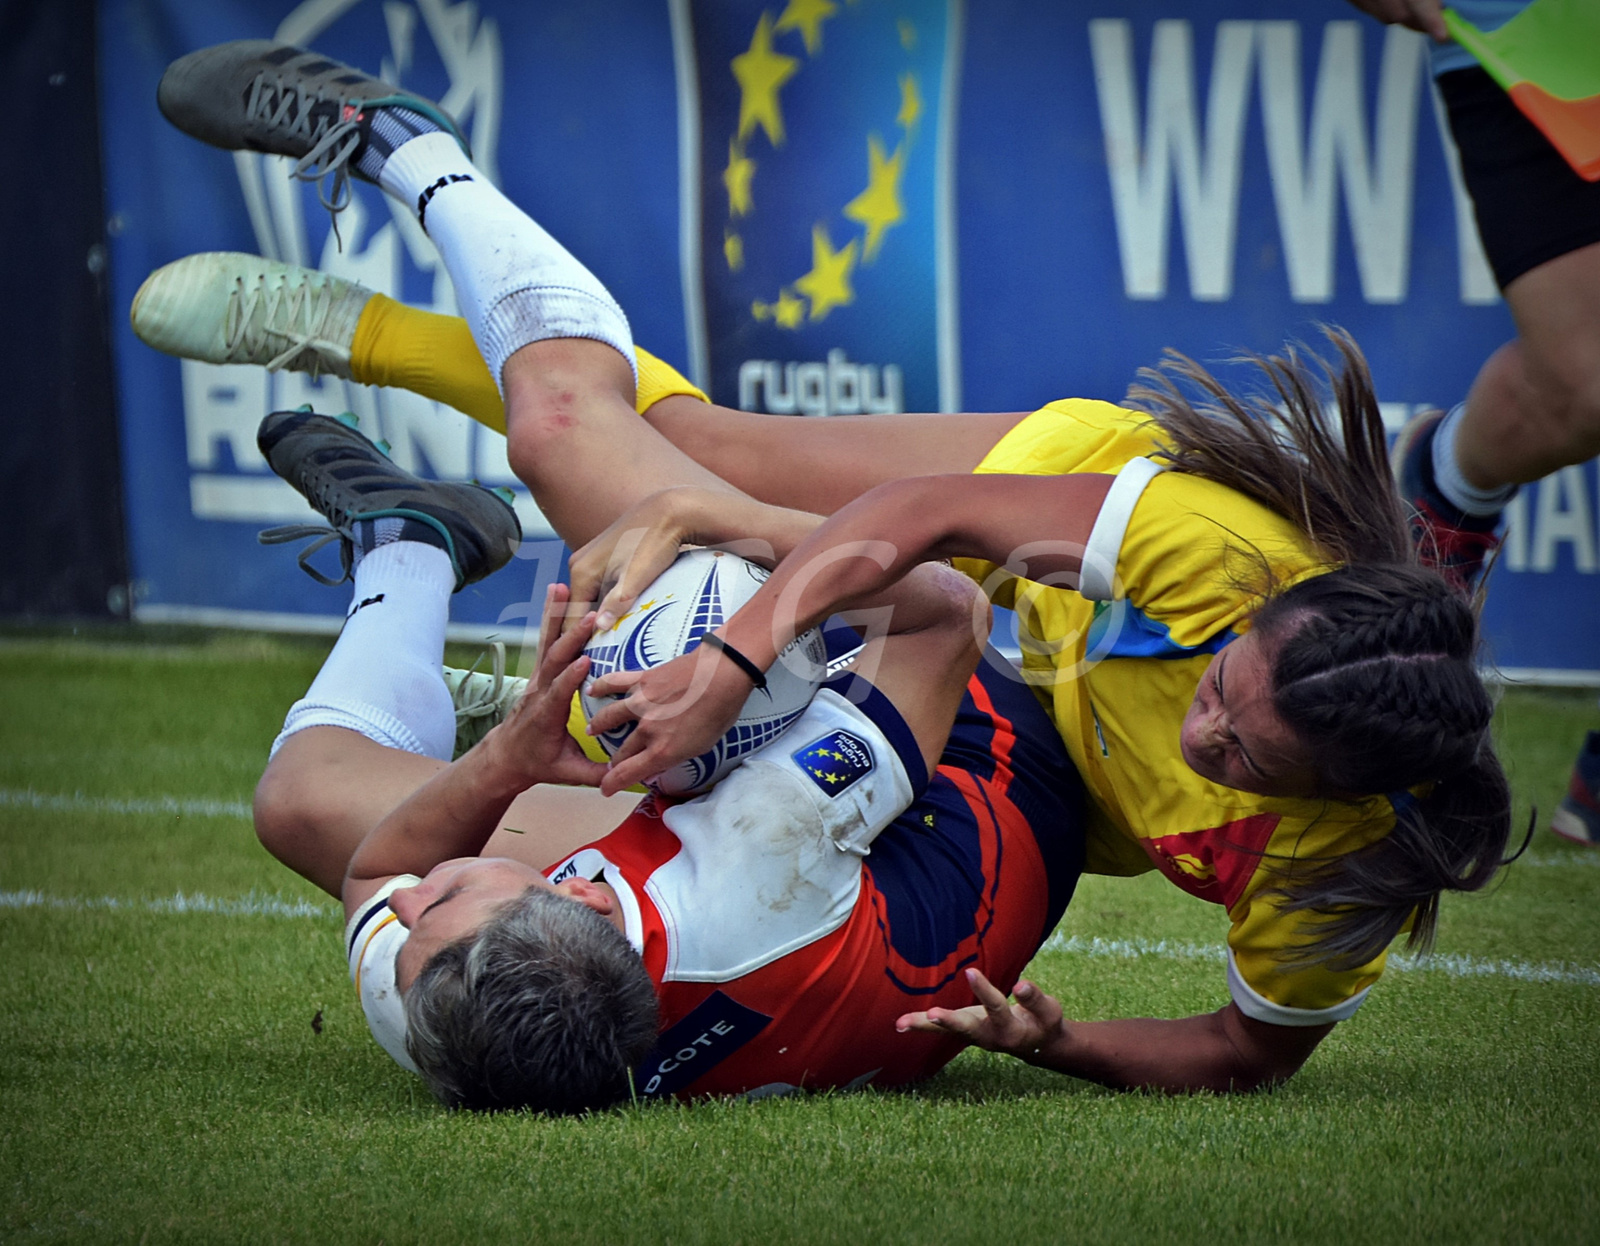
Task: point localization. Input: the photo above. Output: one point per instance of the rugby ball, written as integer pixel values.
(696, 595)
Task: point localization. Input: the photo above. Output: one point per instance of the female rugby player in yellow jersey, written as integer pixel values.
(1268, 699)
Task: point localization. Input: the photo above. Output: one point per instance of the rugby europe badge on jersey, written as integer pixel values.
(836, 761)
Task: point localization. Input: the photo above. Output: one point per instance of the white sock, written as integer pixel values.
(514, 282)
(383, 677)
(1447, 477)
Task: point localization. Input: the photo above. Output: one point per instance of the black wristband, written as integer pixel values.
(737, 658)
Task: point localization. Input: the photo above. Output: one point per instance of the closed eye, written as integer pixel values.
(448, 895)
(1232, 739)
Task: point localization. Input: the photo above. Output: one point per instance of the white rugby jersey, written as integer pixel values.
(764, 864)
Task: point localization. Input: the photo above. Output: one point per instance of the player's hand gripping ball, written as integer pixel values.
(696, 595)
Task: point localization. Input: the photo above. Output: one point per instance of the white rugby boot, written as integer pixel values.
(482, 698)
(227, 307)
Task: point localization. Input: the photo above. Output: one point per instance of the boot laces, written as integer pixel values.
(1461, 555)
(260, 316)
(475, 699)
(287, 106)
(481, 703)
(320, 488)
(323, 534)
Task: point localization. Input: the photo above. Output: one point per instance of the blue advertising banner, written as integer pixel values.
(562, 103)
(819, 207)
(821, 236)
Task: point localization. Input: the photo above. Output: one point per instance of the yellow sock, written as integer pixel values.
(435, 356)
(658, 379)
(427, 353)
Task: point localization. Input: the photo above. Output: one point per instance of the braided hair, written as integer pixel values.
(1374, 662)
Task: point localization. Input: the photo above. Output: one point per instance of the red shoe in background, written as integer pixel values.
(1458, 544)
(1578, 816)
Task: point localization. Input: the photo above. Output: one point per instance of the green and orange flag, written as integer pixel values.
(1548, 60)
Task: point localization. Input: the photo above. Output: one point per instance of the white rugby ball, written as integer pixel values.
(696, 595)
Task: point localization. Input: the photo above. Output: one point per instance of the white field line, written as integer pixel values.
(1120, 949)
(77, 802)
(1445, 963)
(254, 905)
(27, 798)
(1542, 860)
(251, 905)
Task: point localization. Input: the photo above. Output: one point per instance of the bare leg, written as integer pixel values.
(1535, 406)
(323, 791)
(809, 464)
(819, 465)
(327, 787)
(573, 437)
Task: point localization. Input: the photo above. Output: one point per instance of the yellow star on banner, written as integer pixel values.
(733, 250)
(736, 178)
(908, 34)
(761, 72)
(910, 101)
(788, 311)
(807, 17)
(878, 206)
(827, 285)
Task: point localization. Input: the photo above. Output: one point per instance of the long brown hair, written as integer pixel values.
(1374, 660)
(1329, 475)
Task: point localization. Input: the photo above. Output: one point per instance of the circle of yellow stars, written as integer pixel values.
(761, 72)
(814, 765)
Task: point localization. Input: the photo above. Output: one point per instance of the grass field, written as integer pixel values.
(163, 1079)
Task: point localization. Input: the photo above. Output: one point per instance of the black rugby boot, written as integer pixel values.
(356, 488)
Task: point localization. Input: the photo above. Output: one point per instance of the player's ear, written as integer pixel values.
(588, 894)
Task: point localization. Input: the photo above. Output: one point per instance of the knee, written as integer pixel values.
(540, 418)
(284, 822)
(1568, 388)
(552, 390)
(541, 425)
(1571, 408)
(531, 449)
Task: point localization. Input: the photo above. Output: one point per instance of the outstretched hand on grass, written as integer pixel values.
(1024, 1029)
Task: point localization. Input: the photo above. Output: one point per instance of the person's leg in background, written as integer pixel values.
(1534, 407)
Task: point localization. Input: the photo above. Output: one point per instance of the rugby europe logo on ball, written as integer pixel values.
(696, 595)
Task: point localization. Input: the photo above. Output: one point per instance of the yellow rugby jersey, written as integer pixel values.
(1176, 563)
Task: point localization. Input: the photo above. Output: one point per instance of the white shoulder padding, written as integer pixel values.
(373, 938)
(1098, 581)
